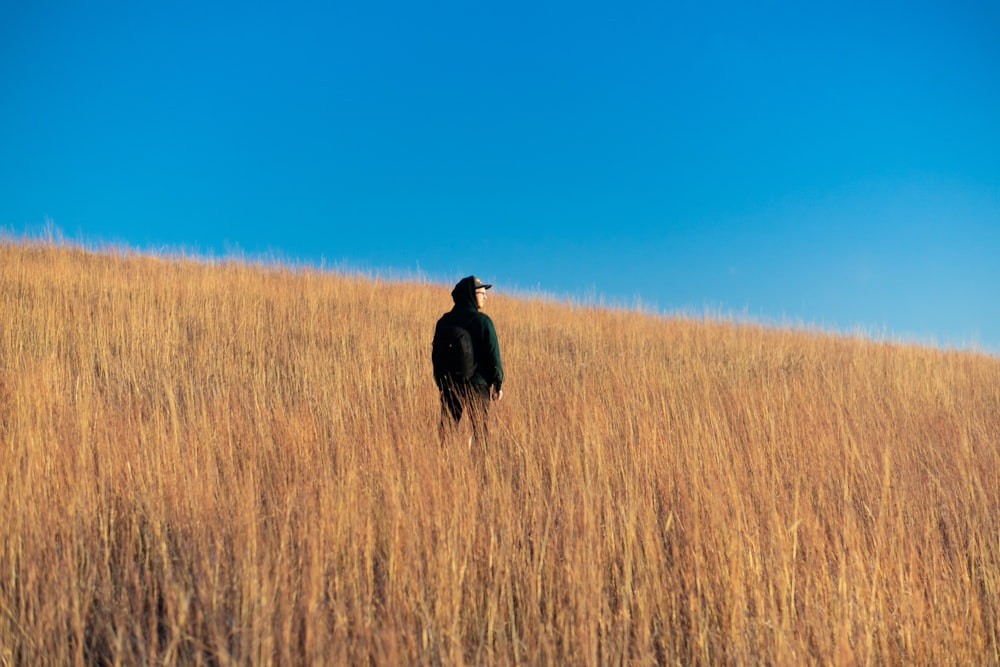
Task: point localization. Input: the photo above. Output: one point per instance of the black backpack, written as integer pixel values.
(452, 353)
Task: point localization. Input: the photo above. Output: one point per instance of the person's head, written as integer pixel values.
(470, 290)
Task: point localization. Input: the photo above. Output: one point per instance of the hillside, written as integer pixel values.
(219, 463)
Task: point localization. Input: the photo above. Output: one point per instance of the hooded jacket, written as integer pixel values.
(465, 313)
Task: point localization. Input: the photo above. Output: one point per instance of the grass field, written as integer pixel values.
(221, 463)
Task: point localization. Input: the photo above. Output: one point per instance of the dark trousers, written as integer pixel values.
(458, 398)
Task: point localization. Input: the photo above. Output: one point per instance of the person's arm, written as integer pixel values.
(494, 374)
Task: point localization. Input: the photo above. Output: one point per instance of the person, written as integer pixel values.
(475, 393)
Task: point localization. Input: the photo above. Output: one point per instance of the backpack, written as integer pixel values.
(452, 353)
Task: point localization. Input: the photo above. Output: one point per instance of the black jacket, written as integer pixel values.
(465, 313)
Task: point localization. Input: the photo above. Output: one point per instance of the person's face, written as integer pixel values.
(480, 297)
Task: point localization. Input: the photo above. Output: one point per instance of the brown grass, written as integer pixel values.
(217, 463)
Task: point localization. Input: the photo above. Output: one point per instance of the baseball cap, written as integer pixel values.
(477, 283)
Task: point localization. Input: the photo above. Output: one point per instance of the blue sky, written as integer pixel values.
(834, 164)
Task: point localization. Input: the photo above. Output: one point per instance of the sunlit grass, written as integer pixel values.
(214, 462)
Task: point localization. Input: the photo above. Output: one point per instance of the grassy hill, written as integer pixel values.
(219, 463)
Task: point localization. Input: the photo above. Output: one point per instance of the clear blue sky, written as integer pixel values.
(833, 163)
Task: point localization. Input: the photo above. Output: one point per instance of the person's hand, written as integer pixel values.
(497, 394)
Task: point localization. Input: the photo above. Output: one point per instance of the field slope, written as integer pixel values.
(222, 463)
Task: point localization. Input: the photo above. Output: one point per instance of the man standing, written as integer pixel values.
(466, 357)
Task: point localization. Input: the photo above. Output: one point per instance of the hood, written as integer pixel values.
(464, 293)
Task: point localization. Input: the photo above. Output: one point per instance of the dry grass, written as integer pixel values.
(215, 463)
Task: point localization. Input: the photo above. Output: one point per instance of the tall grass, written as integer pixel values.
(221, 463)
